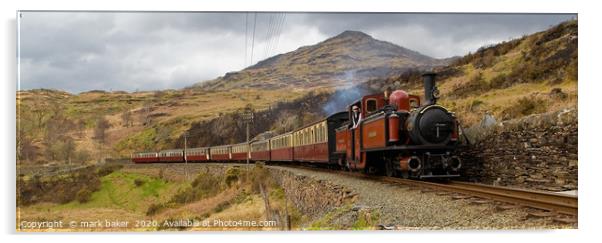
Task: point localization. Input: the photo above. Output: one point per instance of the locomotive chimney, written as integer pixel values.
(430, 90)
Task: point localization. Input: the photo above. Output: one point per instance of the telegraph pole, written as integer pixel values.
(248, 117)
(248, 147)
(185, 159)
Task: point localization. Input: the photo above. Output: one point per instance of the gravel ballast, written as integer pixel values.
(405, 207)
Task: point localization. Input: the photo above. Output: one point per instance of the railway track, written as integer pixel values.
(553, 202)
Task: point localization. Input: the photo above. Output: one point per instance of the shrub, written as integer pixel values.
(203, 186)
(108, 169)
(232, 175)
(138, 182)
(162, 174)
(500, 81)
(83, 195)
(154, 209)
(525, 106)
(476, 84)
(61, 188)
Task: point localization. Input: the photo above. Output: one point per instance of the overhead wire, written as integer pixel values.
(246, 38)
(281, 28)
(253, 40)
(270, 35)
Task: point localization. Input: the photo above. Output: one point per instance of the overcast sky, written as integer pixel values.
(80, 51)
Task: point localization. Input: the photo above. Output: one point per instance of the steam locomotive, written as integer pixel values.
(393, 133)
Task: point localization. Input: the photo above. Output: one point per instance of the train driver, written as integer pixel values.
(356, 116)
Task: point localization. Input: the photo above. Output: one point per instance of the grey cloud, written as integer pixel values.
(78, 51)
(431, 33)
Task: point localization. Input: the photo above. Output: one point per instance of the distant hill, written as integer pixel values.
(349, 58)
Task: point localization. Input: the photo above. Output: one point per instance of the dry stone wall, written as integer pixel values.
(538, 151)
(312, 197)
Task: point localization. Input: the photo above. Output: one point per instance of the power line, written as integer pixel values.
(253, 41)
(246, 38)
(281, 27)
(274, 40)
(269, 36)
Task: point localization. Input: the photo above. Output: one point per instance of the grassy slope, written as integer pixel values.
(499, 100)
(118, 198)
(471, 99)
(171, 113)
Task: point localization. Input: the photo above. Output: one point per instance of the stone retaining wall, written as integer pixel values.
(538, 151)
(312, 197)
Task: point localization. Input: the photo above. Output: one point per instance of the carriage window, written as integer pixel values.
(371, 105)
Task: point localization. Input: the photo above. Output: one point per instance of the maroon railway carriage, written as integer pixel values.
(316, 142)
(220, 153)
(171, 155)
(260, 150)
(281, 147)
(240, 152)
(145, 157)
(197, 154)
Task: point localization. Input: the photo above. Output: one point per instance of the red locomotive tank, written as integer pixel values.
(394, 128)
(400, 100)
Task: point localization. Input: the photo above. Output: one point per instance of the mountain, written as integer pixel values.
(349, 58)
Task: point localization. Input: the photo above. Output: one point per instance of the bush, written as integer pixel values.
(78, 186)
(138, 182)
(203, 186)
(500, 81)
(154, 209)
(525, 106)
(476, 84)
(232, 175)
(108, 169)
(83, 195)
(162, 174)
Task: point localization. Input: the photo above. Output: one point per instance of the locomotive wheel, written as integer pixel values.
(390, 170)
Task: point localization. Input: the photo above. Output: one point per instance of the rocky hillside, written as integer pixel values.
(533, 74)
(348, 58)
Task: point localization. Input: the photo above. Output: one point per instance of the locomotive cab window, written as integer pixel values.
(371, 105)
(413, 103)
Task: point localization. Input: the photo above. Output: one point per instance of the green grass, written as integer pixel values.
(118, 190)
(325, 223)
(365, 220)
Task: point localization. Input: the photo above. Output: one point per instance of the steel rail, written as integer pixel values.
(555, 202)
